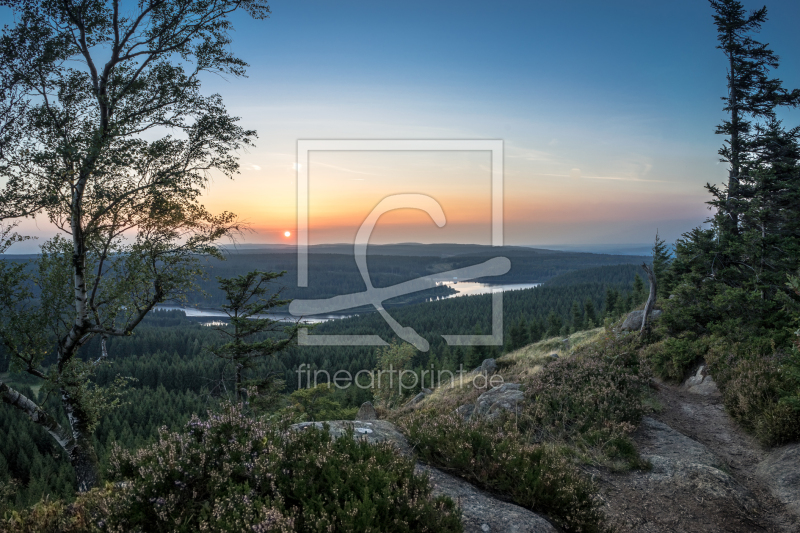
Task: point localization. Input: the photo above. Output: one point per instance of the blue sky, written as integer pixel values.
(607, 110)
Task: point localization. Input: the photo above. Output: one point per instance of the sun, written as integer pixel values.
(287, 233)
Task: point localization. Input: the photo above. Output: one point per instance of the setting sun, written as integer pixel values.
(287, 233)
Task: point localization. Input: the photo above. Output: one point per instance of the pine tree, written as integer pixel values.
(752, 95)
(577, 317)
(591, 316)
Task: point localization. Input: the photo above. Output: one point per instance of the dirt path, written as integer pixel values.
(689, 489)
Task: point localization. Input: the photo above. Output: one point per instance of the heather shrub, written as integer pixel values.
(82, 516)
(593, 399)
(759, 390)
(499, 458)
(234, 473)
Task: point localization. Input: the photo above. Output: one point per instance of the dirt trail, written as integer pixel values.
(682, 494)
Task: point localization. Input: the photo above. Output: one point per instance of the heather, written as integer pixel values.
(236, 473)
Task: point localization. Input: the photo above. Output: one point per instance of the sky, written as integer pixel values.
(606, 110)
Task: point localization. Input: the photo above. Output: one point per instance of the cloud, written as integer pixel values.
(576, 173)
(256, 167)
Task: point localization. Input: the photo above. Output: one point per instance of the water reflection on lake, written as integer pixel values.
(462, 288)
(471, 288)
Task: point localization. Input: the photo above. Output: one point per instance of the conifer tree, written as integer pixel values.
(752, 96)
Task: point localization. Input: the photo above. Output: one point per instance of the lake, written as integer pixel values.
(462, 288)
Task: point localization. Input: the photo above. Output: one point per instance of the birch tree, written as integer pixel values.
(104, 132)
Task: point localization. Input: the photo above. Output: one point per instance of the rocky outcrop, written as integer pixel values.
(494, 402)
(366, 412)
(780, 471)
(481, 512)
(419, 397)
(488, 367)
(701, 382)
(633, 322)
(374, 432)
(681, 463)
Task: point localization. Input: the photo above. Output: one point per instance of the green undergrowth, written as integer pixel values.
(234, 473)
(499, 458)
(758, 373)
(578, 409)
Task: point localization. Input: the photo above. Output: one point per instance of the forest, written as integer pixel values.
(174, 375)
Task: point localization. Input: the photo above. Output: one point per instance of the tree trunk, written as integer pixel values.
(651, 300)
(77, 445)
(83, 459)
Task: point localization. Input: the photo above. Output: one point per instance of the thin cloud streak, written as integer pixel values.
(613, 178)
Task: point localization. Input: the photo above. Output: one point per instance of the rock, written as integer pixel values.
(419, 397)
(780, 471)
(366, 412)
(701, 383)
(681, 463)
(633, 322)
(663, 441)
(374, 431)
(488, 367)
(479, 509)
(554, 355)
(494, 402)
(466, 410)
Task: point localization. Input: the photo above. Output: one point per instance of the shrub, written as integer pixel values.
(758, 391)
(593, 399)
(537, 476)
(672, 358)
(234, 473)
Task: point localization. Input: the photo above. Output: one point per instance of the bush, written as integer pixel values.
(672, 358)
(233, 473)
(537, 476)
(593, 399)
(758, 391)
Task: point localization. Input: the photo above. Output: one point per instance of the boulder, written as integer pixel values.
(488, 367)
(374, 432)
(780, 471)
(419, 397)
(466, 410)
(480, 511)
(701, 382)
(633, 322)
(495, 401)
(366, 412)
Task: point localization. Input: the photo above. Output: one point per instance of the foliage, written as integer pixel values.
(91, 88)
(592, 399)
(672, 358)
(233, 473)
(393, 361)
(317, 403)
(246, 303)
(754, 382)
(661, 261)
(540, 477)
